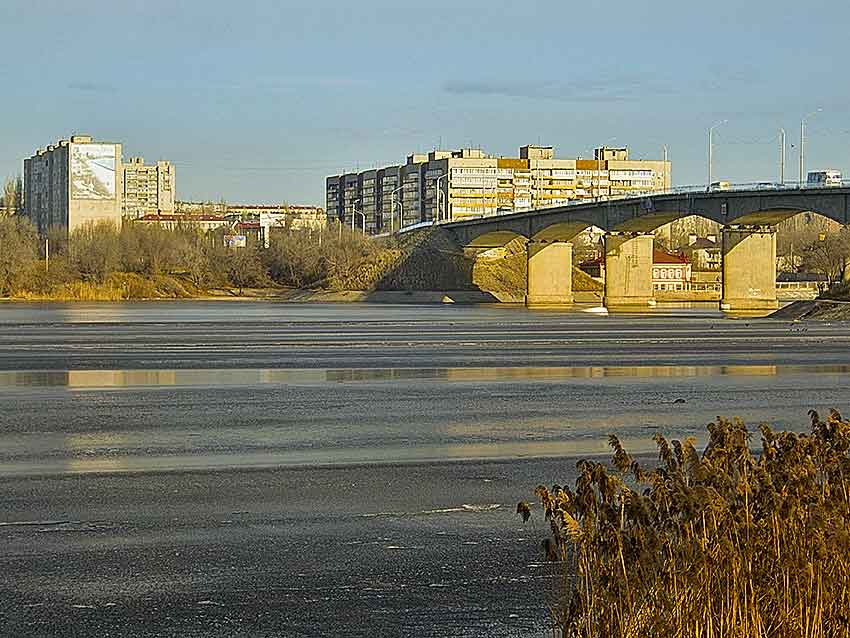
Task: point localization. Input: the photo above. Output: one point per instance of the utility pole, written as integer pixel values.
(711, 151)
(803, 143)
(46, 254)
(782, 156)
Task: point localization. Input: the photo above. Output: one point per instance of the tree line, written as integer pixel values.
(97, 252)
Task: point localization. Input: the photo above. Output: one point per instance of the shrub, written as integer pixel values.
(718, 544)
(18, 254)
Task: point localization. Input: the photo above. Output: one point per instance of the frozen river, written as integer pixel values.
(230, 468)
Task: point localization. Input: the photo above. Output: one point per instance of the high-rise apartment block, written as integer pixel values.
(147, 190)
(72, 183)
(454, 185)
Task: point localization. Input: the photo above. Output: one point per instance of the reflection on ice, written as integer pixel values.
(100, 379)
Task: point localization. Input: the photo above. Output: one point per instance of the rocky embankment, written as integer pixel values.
(819, 310)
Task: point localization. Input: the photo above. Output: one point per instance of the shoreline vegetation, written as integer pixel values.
(718, 544)
(100, 262)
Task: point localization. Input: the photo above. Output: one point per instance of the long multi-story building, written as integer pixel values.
(73, 182)
(453, 185)
(148, 190)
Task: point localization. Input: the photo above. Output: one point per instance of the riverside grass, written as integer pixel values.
(721, 544)
(118, 286)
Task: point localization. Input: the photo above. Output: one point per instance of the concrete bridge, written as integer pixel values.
(747, 214)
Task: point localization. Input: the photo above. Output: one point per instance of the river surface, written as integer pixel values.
(275, 469)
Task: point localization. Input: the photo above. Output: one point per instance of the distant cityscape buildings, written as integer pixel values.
(73, 182)
(466, 183)
(260, 221)
(147, 189)
(79, 180)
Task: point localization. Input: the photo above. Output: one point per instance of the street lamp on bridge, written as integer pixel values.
(711, 151)
(392, 209)
(600, 156)
(438, 192)
(354, 214)
(803, 142)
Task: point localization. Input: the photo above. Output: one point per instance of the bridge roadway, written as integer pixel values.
(747, 214)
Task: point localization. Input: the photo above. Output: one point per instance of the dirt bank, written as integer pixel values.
(819, 310)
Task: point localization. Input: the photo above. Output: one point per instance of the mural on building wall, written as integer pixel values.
(93, 171)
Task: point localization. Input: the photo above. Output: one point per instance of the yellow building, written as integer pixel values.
(480, 186)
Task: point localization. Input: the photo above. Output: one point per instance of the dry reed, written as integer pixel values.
(721, 544)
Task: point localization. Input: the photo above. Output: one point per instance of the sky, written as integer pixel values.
(258, 101)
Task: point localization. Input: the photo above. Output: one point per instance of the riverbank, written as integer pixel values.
(428, 267)
(817, 310)
(118, 286)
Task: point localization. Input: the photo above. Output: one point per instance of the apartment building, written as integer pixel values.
(467, 183)
(148, 190)
(388, 206)
(73, 182)
(366, 215)
(333, 198)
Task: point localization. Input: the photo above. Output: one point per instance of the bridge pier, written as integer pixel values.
(749, 269)
(628, 269)
(550, 273)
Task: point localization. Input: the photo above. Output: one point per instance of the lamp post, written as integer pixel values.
(437, 215)
(711, 151)
(782, 156)
(599, 156)
(803, 142)
(392, 211)
(354, 213)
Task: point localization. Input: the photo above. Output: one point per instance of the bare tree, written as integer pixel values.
(827, 254)
(11, 202)
(96, 250)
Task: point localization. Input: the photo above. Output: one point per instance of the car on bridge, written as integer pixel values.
(719, 186)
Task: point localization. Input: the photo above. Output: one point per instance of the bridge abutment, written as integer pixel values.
(549, 274)
(628, 269)
(749, 269)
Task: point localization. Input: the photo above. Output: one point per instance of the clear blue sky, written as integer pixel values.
(259, 100)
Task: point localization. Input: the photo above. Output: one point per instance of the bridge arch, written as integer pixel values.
(492, 239)
(561, 231)
(772, 217)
